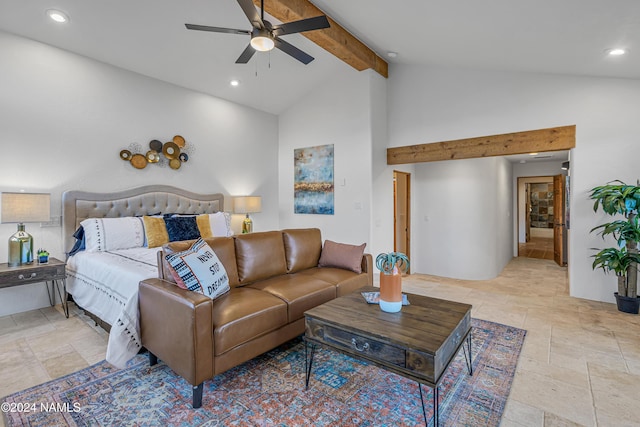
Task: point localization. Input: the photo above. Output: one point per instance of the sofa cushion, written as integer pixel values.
(302, 248)
(300, 292)
(341, 255)
(345, 281)
(224, 247)
(244, 314)
(260, 256)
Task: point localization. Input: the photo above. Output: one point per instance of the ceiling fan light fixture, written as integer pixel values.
(262, 41)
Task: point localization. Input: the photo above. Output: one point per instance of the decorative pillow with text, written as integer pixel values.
(198, 269)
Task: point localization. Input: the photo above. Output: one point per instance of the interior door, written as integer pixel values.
(558, 220)
(527, 212)
(401, 202)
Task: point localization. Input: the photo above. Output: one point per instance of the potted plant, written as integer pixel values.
(43, 256)
(618, 198)
(391, 265)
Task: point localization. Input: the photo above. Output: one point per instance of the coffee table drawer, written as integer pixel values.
(355, 343)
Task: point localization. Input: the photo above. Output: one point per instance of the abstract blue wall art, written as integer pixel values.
(313, 180)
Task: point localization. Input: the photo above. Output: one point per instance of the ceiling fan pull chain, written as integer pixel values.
(262, 10)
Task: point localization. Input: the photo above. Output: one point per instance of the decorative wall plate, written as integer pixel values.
(172, 153)
(139, 161)
(179, 141)
(155, 145)
(125, 155)
(170, 150)
(175, 163)
(153, 156)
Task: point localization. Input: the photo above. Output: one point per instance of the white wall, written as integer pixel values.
(504, 214)
(462, 218)
(437, 104)
(339, 113)
(65, 118)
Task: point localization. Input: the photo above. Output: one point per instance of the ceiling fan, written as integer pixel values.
(265, 36)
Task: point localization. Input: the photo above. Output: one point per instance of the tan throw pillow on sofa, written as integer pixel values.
(341, 255)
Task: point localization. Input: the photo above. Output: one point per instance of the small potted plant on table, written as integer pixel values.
(43, 256)
(391, 265)
(618, 198)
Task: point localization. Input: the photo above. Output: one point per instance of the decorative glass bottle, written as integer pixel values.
(20, 248)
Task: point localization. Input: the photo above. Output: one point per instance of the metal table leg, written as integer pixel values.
(51, 293)
(63, 296)
(308, 362)
(468, 358)
(436, 411)
(55, 284)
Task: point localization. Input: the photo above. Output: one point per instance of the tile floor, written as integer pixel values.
(537, 247)
(580, 364)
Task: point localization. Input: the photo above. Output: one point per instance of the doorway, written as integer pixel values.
(401, 213)
(541, 225)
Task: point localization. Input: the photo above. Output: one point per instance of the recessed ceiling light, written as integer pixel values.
(523, 161)
(392, 54)
(615, 52)
(234, 82)
(57, 16)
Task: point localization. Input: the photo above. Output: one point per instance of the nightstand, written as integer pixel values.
(52, 273)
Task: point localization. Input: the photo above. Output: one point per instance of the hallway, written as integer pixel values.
(537, 247)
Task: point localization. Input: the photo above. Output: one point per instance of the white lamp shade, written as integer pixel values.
(247, 204)
(25, 207)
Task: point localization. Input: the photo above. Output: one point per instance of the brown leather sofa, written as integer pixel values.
(274, 278)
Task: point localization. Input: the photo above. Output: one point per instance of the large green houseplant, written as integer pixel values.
(618, 198)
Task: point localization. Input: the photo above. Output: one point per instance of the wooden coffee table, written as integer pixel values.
(419, 342)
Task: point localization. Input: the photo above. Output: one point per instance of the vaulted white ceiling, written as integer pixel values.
(149, 37)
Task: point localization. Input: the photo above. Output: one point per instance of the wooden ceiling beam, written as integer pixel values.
(335, 40)
(533, 141)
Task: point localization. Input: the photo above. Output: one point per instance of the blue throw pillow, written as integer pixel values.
(80, 243)
(182, 228)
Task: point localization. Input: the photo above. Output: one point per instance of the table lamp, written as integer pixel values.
(21, 208)
(247, 205)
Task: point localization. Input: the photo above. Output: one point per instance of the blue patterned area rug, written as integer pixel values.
(269, 390)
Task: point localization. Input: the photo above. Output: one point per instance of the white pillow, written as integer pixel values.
(220, 224)
(199, 269)
(110, 234)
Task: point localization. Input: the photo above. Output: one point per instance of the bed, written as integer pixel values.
(104, 282)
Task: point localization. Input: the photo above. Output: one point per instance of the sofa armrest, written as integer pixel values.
(367, 267)
(176, 325)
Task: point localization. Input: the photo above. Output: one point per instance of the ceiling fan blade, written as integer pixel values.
(290, 49)
(252, 13)
(246, 55)
(309, 24)
(216, 29)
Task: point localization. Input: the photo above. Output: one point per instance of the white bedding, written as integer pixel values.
(106, 284)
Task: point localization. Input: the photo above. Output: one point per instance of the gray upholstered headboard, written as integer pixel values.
(151, 199)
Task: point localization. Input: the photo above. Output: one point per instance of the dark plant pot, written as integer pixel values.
(627, 304)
